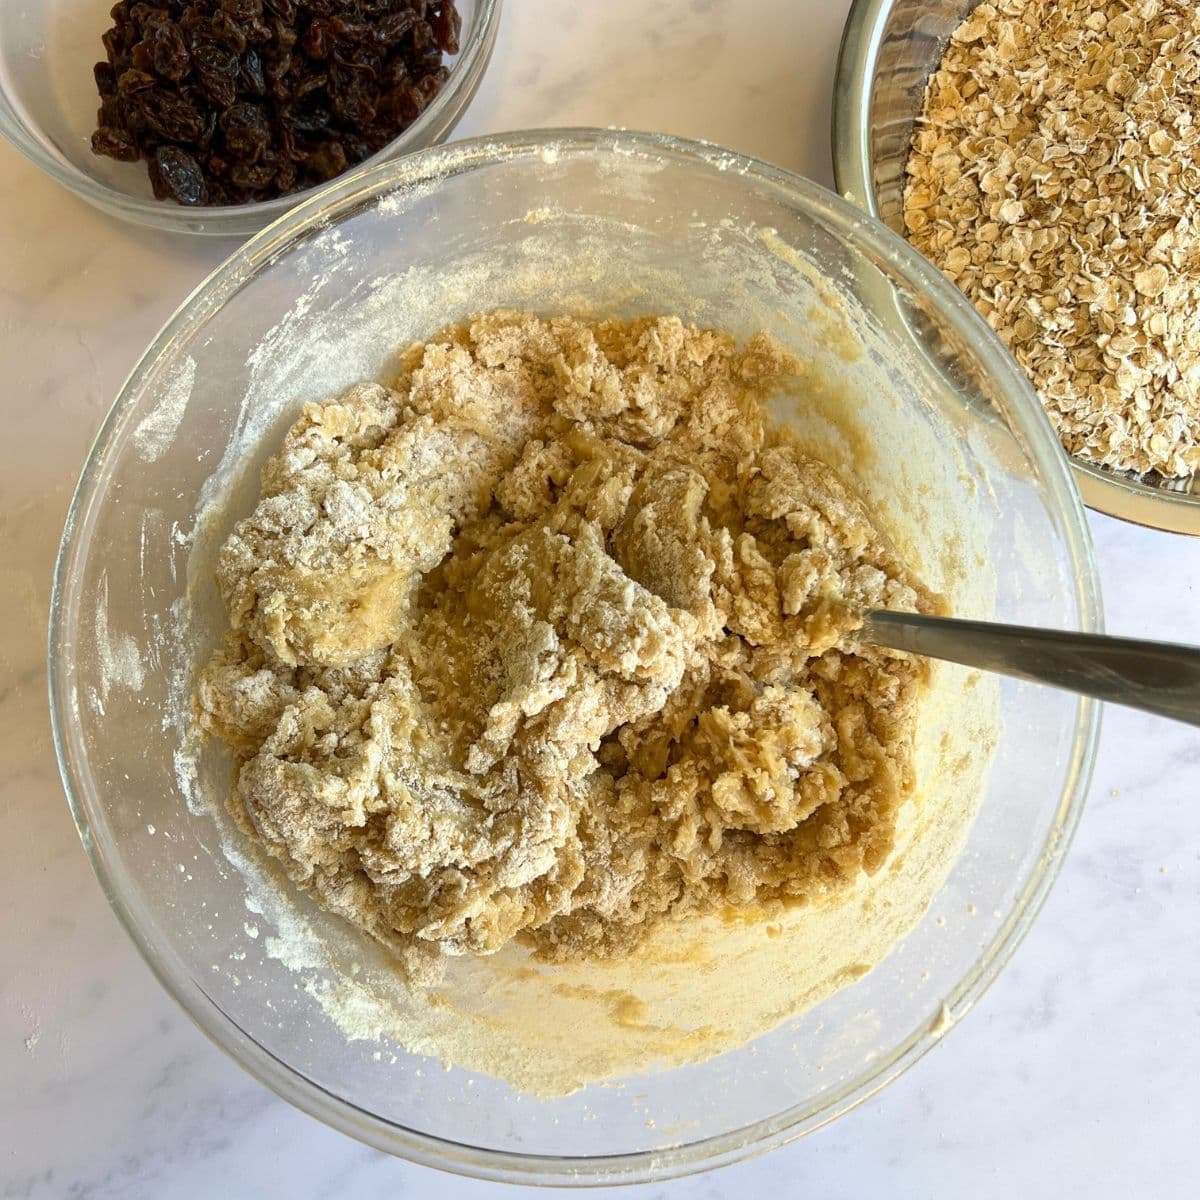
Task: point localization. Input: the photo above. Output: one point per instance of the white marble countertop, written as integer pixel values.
(1078, 1073)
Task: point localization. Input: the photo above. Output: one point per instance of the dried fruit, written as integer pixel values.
(176, 175)
(169, 55)
(251, 80)
(446, 25)
(233, 101)
(247, 134)
(216, 70)
(329, 159)
(115, 143)
(243, 10)
(174, 118)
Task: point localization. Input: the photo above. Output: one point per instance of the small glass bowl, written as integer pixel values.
(889, 50)
(947, 435)
(48, 104)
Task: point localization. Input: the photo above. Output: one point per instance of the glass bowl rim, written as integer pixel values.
(234, 220)
(1112, 493)
(423, 168)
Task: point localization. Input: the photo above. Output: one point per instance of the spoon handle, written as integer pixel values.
(1157, 677)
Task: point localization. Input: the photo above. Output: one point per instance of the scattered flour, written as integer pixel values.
(156, 432)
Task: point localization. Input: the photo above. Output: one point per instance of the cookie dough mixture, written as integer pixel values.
(553, 640)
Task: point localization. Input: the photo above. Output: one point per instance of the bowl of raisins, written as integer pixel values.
(217, 116)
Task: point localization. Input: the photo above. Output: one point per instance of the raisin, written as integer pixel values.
(404, 102)
(173, 117)
(276, 72)
(243, 10)
(289, 150)
(250, 74)
(285, 38)
(446, 24)
(106, 79)
(359, 57)
(146, 16)
(421, 38)
(355, 99)
(305, 85)
(395, 73)
(311, 116)
(356, 148)
(328, 160)
(133, 80)
(132, 119)
(285, 177)
(420, 65)
(254, 176)
(196, 25)
(115, 143)
(392, 27)
(210, 127)
(218, 167)
(169, 52)
(217, 71)
(257, 32)
(246, 131)
(348, 32)
(142, 58)
(225, 31)
(318, 39)
(176, 175)
(232, 101)
(109, 112)
(429, 87)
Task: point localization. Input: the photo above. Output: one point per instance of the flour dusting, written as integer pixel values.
(156, 432)
(120, 662)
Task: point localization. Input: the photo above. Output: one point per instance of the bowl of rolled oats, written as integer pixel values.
(1043, 155)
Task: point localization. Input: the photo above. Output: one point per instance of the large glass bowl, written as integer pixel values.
(48, 104)
(889, 50)
(944, 434)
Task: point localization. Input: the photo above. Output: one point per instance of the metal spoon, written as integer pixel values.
(1156, 677)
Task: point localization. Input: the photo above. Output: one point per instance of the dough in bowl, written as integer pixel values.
(554, 639)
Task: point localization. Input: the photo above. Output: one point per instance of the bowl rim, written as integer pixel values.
(421, 169)
(432, 127)
(1116, 494)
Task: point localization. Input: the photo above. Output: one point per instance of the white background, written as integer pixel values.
(1079, 1073)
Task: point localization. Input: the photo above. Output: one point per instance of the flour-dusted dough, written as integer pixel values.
(554, 640)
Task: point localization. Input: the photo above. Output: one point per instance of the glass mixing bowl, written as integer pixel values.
(889, 50)
(945, 436)
(48, 104)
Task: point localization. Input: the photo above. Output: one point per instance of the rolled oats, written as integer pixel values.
(1054, 176)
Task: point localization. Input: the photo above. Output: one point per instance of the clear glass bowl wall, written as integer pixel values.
(563, 221)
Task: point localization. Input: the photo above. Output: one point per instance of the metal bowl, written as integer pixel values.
(889, 50)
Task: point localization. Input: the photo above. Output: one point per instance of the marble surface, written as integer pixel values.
(1079, 1071)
